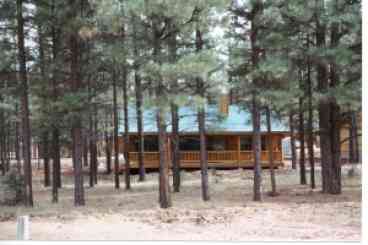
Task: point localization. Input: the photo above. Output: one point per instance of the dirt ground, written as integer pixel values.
(296, 214)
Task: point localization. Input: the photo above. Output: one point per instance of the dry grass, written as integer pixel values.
(296, 214)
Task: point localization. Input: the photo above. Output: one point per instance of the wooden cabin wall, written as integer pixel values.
(232, 143)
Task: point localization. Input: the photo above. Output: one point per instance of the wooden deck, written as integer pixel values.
(218, 159)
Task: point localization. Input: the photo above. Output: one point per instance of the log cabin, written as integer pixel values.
(345, 134)
(229, 138)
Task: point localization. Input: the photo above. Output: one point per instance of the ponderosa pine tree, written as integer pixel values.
(74, 44)
(139, 106)
(301, 135)
(201, 114)
(175, 120)
(310, 133)
(292, 141)
(116, 133)
(270, 153)
(125, 85)
(26, 129)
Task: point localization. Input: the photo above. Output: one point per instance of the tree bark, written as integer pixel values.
(256, 118)
(161, 100)
(55, 163)
(8, 146)
(126, 130)
(172, 46)
(108, 152)
(201, 114)
(2, 147)
(334, 185)
(310, 138)
(303, 178)
(16, 141)
(164, 187)
(292, 140)
(2, 134)
(45, 136)
(78, 174)
(26, 129)
(323, 107)
(92, 153)
(116, 134)
(85, 147)
(270, 153)
(175, 148)
(139, 102)
(75, 44)
(46, 158)
(54, 126)
(329, 111)
(353, 139)
(95, 153)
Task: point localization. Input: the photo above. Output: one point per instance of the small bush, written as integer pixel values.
(11, 188)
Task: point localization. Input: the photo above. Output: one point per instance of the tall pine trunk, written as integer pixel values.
(46, 159)
(16, 141)
(92, 154)
(2, 146)
(55, 131)
(76, 131)
(55, 162)
(126, 129)
(139, 109)
(310, 133)
(95, 135)
(85, 147)
(328, 110)
(335, 173)
(323, 107)
(353, 139)
(292, 140)
(256, 117)
(45, 136)
(116, 133)
(26, 129)
(161, 100)
(201, 114)
(7, 146)
(93, 146)
(270, 153)
(107, 148)
(172, 46)
(256, 145)
(175, 148)
(164, 187)
(303, 178)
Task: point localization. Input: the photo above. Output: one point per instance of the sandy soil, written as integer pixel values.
(296, 214)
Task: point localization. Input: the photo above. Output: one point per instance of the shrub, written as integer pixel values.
(11, 188)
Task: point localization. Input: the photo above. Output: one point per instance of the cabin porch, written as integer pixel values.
(224, 151)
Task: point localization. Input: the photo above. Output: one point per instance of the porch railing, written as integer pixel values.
(215, 156)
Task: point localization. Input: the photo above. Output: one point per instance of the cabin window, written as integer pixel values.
(246, 143)
(216, 144)
(263, 143)
(189, 144)
(150, 143)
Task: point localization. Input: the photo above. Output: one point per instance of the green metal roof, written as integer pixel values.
(238, 120)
